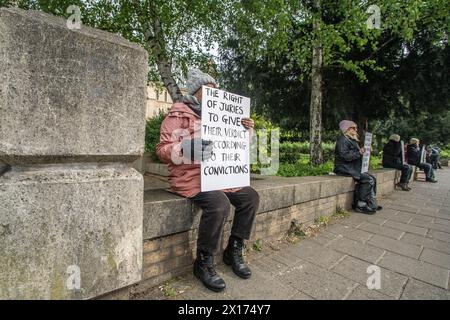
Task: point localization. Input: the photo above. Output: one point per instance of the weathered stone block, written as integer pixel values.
(166, 213)
(306, 192)
(68, 93)
(58, 219)
(72, 116)
(276, 198)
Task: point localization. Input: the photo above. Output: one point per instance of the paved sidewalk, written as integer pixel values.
(409, 240)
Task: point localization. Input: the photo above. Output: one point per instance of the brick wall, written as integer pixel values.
(168, 256)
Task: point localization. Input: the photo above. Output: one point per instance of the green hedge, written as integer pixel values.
(445, 153)
(300, 169)
(290, 152)
(152, 132)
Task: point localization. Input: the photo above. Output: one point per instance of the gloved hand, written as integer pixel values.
(197, 149)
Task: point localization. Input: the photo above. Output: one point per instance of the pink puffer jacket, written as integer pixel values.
(181, 123)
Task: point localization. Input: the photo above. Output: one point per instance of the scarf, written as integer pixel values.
(354, 137)
(192, 102)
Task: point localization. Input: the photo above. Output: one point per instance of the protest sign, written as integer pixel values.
(403, 147)
(229, 167)
(366, 156)
(423, 155)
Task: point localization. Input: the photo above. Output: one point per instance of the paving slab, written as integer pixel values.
(420, 270)
(407, 241)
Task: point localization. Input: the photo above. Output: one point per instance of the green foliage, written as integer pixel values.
(322, 221)
(445, 153)
(168, 290)
(292, 152)
(152, 133)
(375, 162)
(263, 123)
(263, 128)
(398, 70)
(340, 213)
(428, 128)
(258, 245)
(293, 135)
(296, 230)
(300, 169)
(188, 28)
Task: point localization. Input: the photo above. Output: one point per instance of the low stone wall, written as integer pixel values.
(170, 221)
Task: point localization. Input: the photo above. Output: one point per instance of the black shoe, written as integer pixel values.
(402, 186)
(365, 210)
(205, 272)
(233, 256)
(431, 180)
(379, 208)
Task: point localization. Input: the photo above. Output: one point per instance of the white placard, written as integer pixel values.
(403, 147)
(366, 156)
(229, 167)
(423, 155)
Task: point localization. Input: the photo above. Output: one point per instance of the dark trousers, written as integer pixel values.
(368, 186)
(365, 194)
(216, 207)
(404, 168)
(434, 161)
(428, 170)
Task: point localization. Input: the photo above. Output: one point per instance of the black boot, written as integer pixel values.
(233, 256)
(205, 272)
(403, 186)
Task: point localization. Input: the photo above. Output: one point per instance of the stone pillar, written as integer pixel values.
(72, 116)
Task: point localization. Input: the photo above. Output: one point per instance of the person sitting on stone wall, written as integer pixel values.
(413, 154)
(392, 158)
(433, 157)
(182, 148)
(348, 161)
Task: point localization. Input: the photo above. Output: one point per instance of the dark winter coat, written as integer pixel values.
(413, 154)
(392, 153)
(347, 158)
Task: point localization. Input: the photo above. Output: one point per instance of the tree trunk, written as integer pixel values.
(316, 153)
(155, 39)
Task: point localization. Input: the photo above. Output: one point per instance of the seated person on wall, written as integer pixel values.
(433, 157)
(392, 158)
(413, 155)
(348, 161)
(182, 149)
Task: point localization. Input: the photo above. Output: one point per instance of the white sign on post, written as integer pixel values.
(229, 167)
(366, 156)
